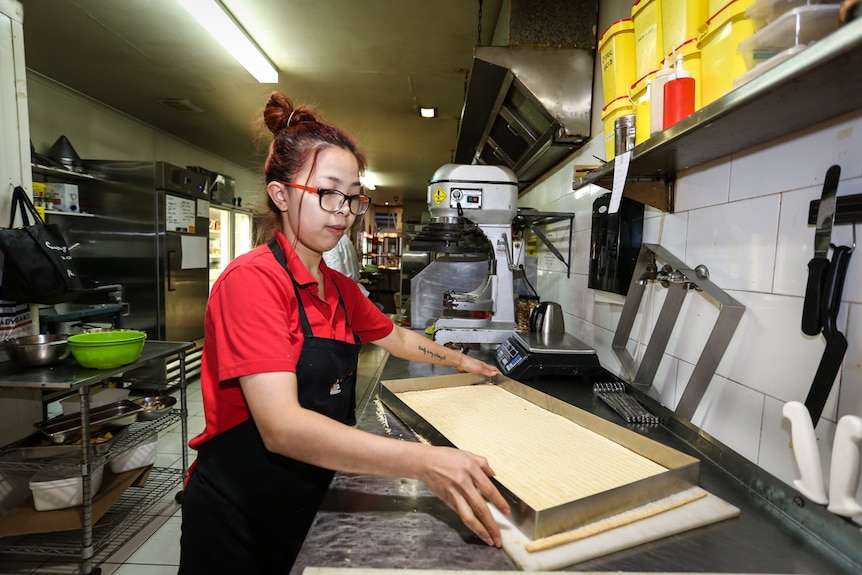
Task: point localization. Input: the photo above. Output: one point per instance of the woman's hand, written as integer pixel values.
(462, 480)
(472, 365)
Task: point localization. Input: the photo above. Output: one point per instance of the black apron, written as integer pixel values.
(246, 509)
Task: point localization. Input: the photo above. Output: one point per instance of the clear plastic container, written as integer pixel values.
(768, 65)
(800, 26)
(763, 12)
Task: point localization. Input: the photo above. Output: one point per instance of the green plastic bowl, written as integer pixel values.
(107, 349)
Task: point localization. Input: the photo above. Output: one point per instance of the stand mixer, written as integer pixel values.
(472, 209)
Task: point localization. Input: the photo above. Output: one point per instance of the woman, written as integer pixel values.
(283, 333)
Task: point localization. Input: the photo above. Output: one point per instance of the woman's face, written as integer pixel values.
(306, 225)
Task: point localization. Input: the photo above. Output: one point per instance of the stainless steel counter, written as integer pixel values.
(376, 522)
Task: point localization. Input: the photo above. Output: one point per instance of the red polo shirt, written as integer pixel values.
(252, 326)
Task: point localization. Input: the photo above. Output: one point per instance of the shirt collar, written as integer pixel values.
(297, 269)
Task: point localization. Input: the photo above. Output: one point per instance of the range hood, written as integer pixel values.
(528, 105)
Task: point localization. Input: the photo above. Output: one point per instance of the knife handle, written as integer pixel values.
(833, 288)
(811, 306)
(836, 343)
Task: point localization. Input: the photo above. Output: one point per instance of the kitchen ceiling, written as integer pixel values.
(365, 65)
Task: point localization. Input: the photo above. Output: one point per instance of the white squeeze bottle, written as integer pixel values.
(642, 116)
(656, 109)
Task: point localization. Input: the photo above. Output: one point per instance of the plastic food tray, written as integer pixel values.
(136, 457)
(53, 489)
(800, 26)
(763, 12)
(768, 65)
(67, 428)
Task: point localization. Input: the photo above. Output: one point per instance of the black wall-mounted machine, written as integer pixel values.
(615, 243)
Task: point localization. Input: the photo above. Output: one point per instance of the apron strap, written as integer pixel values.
(306, 325)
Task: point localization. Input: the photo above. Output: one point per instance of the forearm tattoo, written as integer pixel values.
(432, 354)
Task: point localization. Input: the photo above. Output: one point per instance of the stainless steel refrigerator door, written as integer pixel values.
(116, 237)
(183, 259)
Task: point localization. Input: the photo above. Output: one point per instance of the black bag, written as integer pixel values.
(37, 266)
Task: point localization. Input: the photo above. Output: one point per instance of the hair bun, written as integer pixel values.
(280, 114)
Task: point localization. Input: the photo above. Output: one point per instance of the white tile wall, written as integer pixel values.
(746, 218)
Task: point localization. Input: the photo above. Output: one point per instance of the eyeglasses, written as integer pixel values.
(332, 200)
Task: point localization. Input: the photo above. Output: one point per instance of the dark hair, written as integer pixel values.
(299, 134)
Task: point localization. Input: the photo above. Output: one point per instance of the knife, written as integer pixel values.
(819, 264)
(836, 343)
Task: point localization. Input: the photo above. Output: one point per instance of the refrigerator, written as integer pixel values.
(144, 226)
(230, 235)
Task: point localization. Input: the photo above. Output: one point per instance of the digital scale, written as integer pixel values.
(529, 355)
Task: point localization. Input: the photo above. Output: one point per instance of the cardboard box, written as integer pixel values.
(63, 197)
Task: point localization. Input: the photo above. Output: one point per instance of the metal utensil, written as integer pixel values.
(819, 264)
(614, 394)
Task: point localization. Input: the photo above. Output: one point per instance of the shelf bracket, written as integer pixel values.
(657, 192)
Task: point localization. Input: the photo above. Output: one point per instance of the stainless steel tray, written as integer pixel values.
(683, 471)
(67, 428)
(37, 446)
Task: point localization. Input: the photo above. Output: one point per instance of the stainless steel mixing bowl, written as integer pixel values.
(38, 350)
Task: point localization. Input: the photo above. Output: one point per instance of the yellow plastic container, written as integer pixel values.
(617, 108)
(681, 20)
(646, 16)
(617, 49)
(642, 108)
(721, 63)
(713, 6)
(691, 62)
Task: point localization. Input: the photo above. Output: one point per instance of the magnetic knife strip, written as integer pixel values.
(614, 394)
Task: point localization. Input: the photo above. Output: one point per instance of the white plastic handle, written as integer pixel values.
(844, 472)
(810, 484)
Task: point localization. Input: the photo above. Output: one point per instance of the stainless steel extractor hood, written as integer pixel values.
(528, 105)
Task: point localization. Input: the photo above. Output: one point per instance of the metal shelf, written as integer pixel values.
(127, 516)
(133, 435)
(820, 83)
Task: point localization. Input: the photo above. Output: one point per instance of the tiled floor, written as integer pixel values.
(155, 550)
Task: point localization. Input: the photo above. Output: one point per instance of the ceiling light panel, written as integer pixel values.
(215, 18)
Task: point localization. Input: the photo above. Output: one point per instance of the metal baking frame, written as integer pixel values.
(683, 471)
(679, 279)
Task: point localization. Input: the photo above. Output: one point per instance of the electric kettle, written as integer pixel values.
(547, 319)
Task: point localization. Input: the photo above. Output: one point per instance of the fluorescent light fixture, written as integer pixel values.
(367, 180)
(428, 112)
(213, 16)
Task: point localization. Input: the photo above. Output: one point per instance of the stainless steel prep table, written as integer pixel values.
(68, 376)
(378, 522)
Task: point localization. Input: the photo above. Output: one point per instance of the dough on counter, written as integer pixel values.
(543, 458)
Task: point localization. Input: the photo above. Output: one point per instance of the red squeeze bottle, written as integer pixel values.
(678, 100)
(678, 96)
